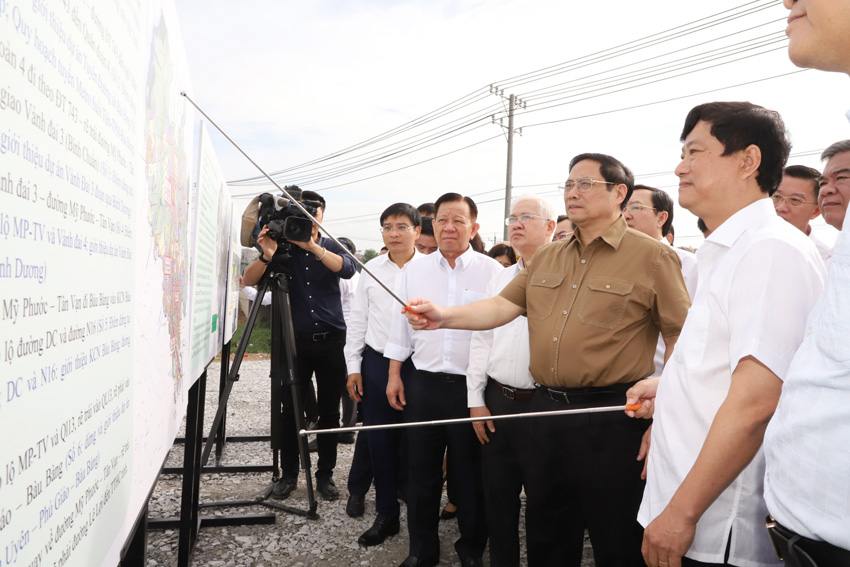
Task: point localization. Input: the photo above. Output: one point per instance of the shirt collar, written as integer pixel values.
(461, 261)
(612, 236)
(727, 233)
(416, 254)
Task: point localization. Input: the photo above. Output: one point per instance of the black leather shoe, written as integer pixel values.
(355, 506)
(382, 529)
(412, 561)
(471, 562)
(346, 438)
(448, 514)
(327, 488)
(284, 487)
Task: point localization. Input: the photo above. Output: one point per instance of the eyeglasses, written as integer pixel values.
(636, 207)
(523, 218)
(583, 184)
(794, 201)
(563, 235)
(400, 228)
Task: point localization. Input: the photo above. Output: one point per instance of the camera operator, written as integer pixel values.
(315, 268)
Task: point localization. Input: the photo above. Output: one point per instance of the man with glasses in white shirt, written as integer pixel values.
(436, 390)
(650, 211)
(759, 278)
(372, 312)
(796, 201)
(499, 383)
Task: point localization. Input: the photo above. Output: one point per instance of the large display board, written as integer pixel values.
(97, 161)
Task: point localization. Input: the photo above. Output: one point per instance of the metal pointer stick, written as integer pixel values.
(300, 206)
(628, 407)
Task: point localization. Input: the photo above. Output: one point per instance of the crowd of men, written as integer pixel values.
(738, 356)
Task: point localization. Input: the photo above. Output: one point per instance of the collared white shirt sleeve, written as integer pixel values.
(690, 272)
(372, 310)
(251, 293)
(760, 278)
(807, 443)
(443, 350)
(347, 288)
(501, 353)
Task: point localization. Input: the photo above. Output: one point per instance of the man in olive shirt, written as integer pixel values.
(595, 304)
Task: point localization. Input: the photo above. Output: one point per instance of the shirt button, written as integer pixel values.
(564, 312)
(554, 339)
(306, 268)
(584, 261)
(542, 281)
(574, 286)
(607, 287)
(311, 311)
(311, 297)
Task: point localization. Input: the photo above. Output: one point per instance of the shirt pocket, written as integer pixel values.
(604, 302)
(543, 294)
(471, 296)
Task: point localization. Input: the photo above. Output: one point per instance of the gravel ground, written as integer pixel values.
(293, 540)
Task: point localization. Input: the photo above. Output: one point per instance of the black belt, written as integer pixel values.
(443, 376)
(510, 392)
(319, 337)
(582, 395)
(799, 551)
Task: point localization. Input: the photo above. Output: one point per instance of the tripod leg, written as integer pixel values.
(234, 373)
(283, 312)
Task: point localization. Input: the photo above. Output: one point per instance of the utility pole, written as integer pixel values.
(513, 102)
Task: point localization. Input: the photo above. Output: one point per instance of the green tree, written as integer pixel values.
(369, 254)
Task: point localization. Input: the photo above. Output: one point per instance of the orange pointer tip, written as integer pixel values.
(633, 407)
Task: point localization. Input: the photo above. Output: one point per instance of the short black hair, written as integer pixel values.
(348, 243)
(806, 174)
(427, 226)
(402, 210)
(661, 201)
(427, 209)
(738, 125)
(612, 170)
(454, 197)
(313, 196)
(561, 218)
(503, 249)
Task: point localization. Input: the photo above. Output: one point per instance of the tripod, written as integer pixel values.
(275, 279)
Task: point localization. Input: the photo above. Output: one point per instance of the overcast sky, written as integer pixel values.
(295, 81)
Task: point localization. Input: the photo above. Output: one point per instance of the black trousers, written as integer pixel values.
(584, 476)
(326, 360)
(383, 445)
(430, 398)
(504, 464)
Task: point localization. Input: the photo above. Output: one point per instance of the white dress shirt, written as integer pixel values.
(431, 277)
(251, 293)
(690, 273)
(501, 353)
(347, 289)
(807, 444)
(823, 248)
(759, 278)
(372, 310)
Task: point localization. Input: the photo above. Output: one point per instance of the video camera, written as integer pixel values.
(284, 220)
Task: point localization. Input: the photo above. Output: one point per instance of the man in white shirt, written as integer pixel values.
(703, 497)
(796, 201)
(456, 275)
(650, 211)
(806, 443)
(369, 321)
(499, 382)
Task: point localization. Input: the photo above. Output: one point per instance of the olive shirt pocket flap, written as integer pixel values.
(547, 280)
(608, 285)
